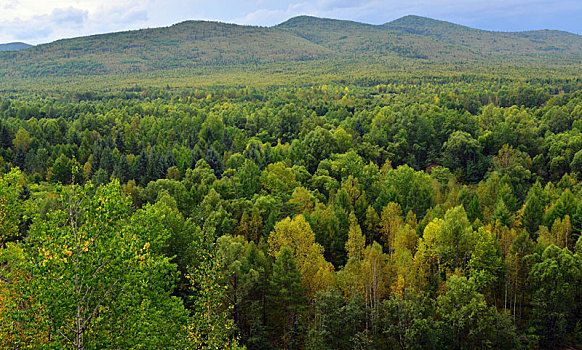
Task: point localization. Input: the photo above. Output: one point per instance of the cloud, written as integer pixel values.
(9, 4)
(121, 17)
(42, 26)
(93, 18)
(282, 11)
(263, 17)
(68, 16)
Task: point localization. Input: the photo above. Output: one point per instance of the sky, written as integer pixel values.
(41, 21)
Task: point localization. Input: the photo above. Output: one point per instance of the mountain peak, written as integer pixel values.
(422, 25)
(15, 46)
(305, 20)
(410, 18)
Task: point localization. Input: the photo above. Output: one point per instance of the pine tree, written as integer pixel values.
(474, 209)
(533, 214)
(286, 298)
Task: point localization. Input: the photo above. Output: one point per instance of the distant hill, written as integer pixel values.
(195, 44)
(14, 46)
(352, 39)
(487, 43)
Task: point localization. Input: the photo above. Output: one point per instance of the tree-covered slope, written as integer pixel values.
(184, 45)
(195, 44)
(353, 39)
(489, 44)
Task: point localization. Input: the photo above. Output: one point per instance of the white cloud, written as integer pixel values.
(41, 26)
(9, 5)
(36, 21)
(263, 17)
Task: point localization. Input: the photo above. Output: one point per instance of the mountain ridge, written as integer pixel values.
(195, 43)
(14, 46)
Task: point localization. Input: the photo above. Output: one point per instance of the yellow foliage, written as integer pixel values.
(356, 240)
(391, 222)
(427, 258)
(21, 325)
(316, 273)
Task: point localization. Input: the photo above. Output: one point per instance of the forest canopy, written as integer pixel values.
(411, 213)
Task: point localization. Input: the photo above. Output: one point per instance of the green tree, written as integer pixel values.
(577, 222)
(468, 323)
(319, 144)
(533, 213)
(336, 321)
(63, 170)
(209, 326)
(554, 280)
(462, 152)
(249, 177)
(97, 276)
(455, 238)
(212, 129)
(409, 322)
(486, 264)
(11, 207)
(286, 122)
(412, 190)
(279, 180)
(474, 211)
(501, 213)
(21, 145)
(286, 299)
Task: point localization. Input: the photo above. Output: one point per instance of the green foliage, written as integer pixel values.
(411, 201)
(486, 264)
(11, 207)
(209, 327)
(286, 298)
(337, 321)
(462, 153)
(467, 321)
(409, 322)
(455, 238)
(554, 279)
(411, 189)
(88, 259)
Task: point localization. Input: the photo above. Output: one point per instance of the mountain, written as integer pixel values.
(298, 41)
(184, 45)
(14, 46)
(487, 43)
(349, 39)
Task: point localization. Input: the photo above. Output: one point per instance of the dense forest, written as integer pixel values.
(410, 214)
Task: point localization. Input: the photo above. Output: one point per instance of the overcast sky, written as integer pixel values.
(40, 21)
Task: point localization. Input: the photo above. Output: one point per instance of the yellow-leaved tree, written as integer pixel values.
(391, 222)
(356, 241)
(316, 273)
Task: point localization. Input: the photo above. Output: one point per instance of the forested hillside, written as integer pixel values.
(491, 44)
(422, 212)
(196, 44)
